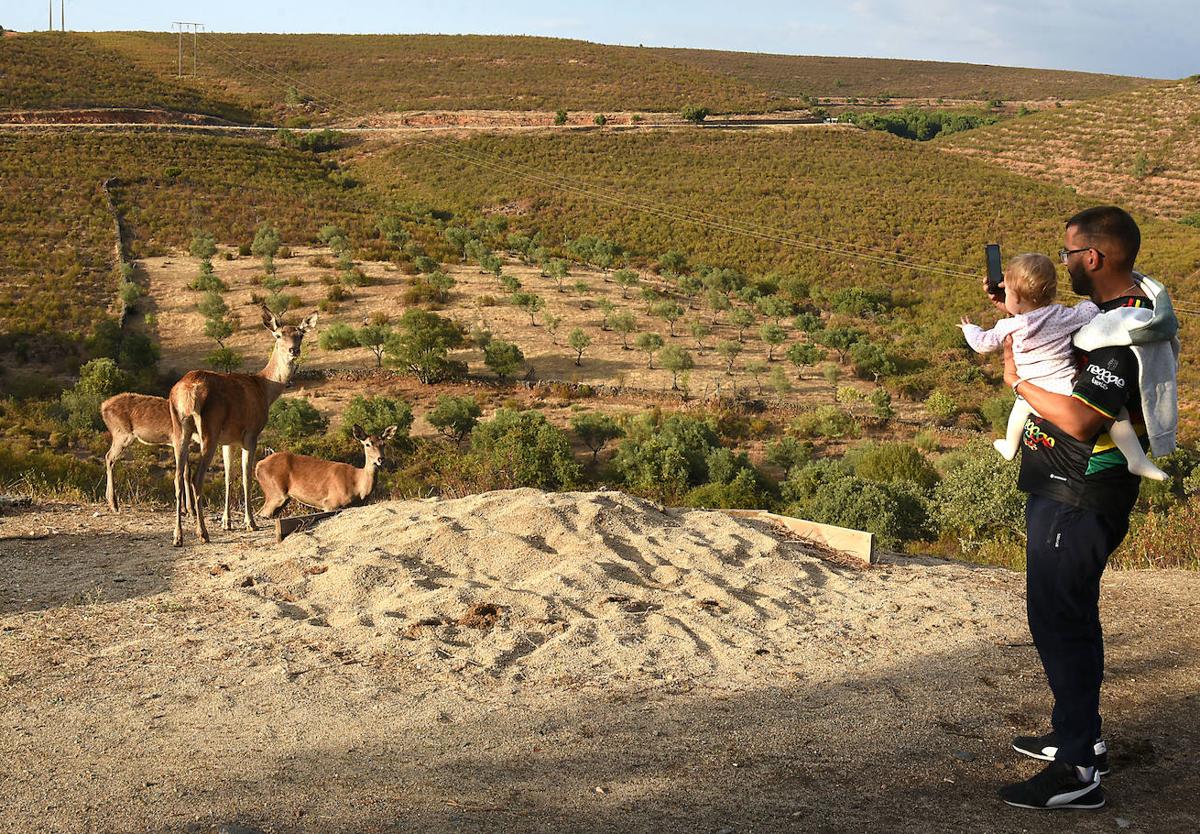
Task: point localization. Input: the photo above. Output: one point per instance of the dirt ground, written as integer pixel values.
(150, 689)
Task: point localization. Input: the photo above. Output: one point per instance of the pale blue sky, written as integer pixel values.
(1157, 38)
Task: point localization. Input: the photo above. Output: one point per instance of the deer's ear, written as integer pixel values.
(359, 434)
(309, 323)
(389, 433)
(268, 319)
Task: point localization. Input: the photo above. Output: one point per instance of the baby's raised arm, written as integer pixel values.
(986, 341)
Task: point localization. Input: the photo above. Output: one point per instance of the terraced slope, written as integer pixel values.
(372, 73)
(57, 267)
(1140, 148)
(796, 75)
(56, 70)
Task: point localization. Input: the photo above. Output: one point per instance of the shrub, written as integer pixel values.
(595, 430)
(338, 336)
(694, 114)
(208, 282)
(374, 414)
(668, 456)
(522, 448)
(99, 379)
(977, 497)
(828, 421)
(560, 117)
(742, 492)
(601, 120)
(455, 417)
(871, 361)
(503, 358)
(422, 343)
(941, 406)
(292, 419)
(788, 452)
(895, 512)
(891, 462)
(224, 359)
(996, 410)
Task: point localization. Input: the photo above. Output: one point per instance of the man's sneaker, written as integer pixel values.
(1058, 786)
(1044, 748)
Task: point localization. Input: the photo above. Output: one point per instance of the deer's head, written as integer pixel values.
(373, 444)
(287, 339)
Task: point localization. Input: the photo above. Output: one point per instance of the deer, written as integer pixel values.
(228, 410)
(321, 484)
(146, 419)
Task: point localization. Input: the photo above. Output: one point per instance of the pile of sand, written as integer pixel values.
(600, 585)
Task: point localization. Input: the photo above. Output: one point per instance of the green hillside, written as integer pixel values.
(799, 75)
(1141, 147)
(56, 70)
(873, 192)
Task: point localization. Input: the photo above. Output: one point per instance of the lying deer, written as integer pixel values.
(143, 418)
(229, 410)
(322, 484)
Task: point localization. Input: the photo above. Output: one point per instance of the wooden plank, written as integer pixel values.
(284, 527)
(858, 544)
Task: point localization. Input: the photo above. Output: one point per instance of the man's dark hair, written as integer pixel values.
(1110, 223)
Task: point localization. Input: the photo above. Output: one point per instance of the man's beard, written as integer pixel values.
(1081, 282)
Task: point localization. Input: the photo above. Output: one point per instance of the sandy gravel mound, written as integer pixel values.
(600, 585)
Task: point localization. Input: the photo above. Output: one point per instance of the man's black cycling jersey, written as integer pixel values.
(1093, 475)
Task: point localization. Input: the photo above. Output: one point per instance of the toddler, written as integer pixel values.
(1041, 343)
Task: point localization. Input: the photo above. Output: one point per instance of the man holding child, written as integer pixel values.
(1081, 491)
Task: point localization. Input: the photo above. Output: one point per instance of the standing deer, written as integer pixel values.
(323, 484)
(229, 410)
(143, 418)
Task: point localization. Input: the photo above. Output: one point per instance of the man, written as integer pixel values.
(1080, 497)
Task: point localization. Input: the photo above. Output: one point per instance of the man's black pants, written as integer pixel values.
(1066, 552)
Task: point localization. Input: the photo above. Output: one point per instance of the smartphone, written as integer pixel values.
(995, 273)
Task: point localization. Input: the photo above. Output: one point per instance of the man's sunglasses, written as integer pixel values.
(1063, 254)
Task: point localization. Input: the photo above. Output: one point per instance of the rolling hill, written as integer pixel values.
(64, 70)
(810, 75)
(1141, 147)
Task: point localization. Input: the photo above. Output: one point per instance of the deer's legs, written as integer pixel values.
(119, 444)
(272, 505)
(247, 458)
(180, 447)
(207, 450)
(227, 459)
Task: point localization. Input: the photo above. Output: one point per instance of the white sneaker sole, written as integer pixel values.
(1049, 757)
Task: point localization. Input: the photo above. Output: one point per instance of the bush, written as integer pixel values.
(828, 421)
(666, 457)
(502, 358)
(224, 359)
(338, 336)
(977, 497)
(892, 462)
(208, 282)
(941, 406)
(694, 114)
(522, 448)
(560, 118)
(595, 430)
(788, 453)
(455, 417)
(293, 419)
(375, 414)
(996, 410)
(421, 345)
(824, 492)
(742, 492)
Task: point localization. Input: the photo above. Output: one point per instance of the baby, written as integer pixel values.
(1041, 341)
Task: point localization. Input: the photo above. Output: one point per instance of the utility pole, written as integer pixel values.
(183, 26)
(50, 27)
(62, 16)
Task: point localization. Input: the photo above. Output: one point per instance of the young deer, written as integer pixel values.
(322, 484)
(143, 418)
(229, 410)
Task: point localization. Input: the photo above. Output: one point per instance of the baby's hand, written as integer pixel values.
(965, 322)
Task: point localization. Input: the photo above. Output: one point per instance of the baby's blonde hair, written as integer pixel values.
(1032, 276)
